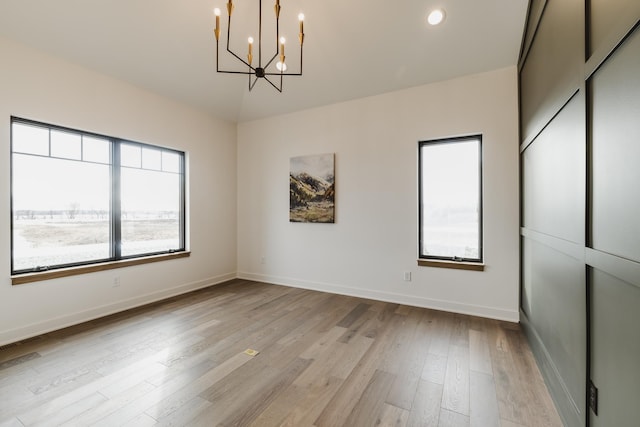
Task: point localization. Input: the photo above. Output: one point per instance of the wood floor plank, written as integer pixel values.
(352, 388)
(455, 394)
(193, 367)
(402, 342)
(301, 404)
(155, 400)
(12, 422)
(452, 419)
(441, 327)
(19, 360)
(228, 401)
(512, 400)
(479, 355)
(36, 418)
(411, 363)
(142, 420)
(531, 382)
(264, 394)
(392, 416)
(72, 392)
(381, 321)
(184, 414)
(17, 376)
(324, 360)
(435, 368)
(109, 406)
(368, 409)
(483, 401)
(357, 326)
(460, 330)
(12, 397)
(187, 389)
(316, 385)
(505, 423)
(353, 315)
(425, 410)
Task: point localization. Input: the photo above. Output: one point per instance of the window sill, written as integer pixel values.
(474, 266)
(84, 269)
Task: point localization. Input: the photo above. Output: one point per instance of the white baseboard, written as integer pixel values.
(435, 304)
(39, 328)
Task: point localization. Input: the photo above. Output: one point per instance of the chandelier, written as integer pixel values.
(267, 70)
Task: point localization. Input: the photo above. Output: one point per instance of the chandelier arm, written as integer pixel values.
(279, 89)
(217, 55)
(241, 60)
(230, 51)
(260, 35)
(288, 74)
(283, 74)
(236, 72)
(270, 61)
(229, 33)
(251, 85)
(218, 70)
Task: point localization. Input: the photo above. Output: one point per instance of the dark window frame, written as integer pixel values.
(115, 214)
(455, 259)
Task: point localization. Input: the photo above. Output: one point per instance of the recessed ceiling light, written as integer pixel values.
(436, 17)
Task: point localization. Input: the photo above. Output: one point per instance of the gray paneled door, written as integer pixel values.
(615, 238)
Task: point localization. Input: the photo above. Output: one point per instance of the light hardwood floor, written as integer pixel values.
(324, 360)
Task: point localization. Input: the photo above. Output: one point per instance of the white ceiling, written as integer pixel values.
(352, 49)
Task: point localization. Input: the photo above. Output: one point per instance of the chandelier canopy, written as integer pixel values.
(268, 70)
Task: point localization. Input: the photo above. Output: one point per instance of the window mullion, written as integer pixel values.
(182, 214)
(116, 208)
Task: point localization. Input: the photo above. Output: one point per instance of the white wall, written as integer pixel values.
(39, 87)
(374, 238)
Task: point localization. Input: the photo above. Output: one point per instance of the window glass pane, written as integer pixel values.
(60, 212)
(150, 211)
(66, 145)
(30, 139)
(130, 155)
(450, 199)
(151, 159)
(96, 149)
(170, 162)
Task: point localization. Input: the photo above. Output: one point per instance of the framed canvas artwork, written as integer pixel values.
(312, 188)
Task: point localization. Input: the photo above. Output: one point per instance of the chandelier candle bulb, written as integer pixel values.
(282, 41)
(301, 34)
(216, 11)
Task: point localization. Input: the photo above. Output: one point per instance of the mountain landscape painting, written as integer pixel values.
(312, 189)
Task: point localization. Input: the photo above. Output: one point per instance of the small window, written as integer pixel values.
(79, 198)
(450, 199)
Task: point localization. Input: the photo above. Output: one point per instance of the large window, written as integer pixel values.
(450, 205)
(79, 198)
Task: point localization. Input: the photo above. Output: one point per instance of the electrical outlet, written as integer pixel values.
(407, 276)
(116, 281)
(263, 260)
